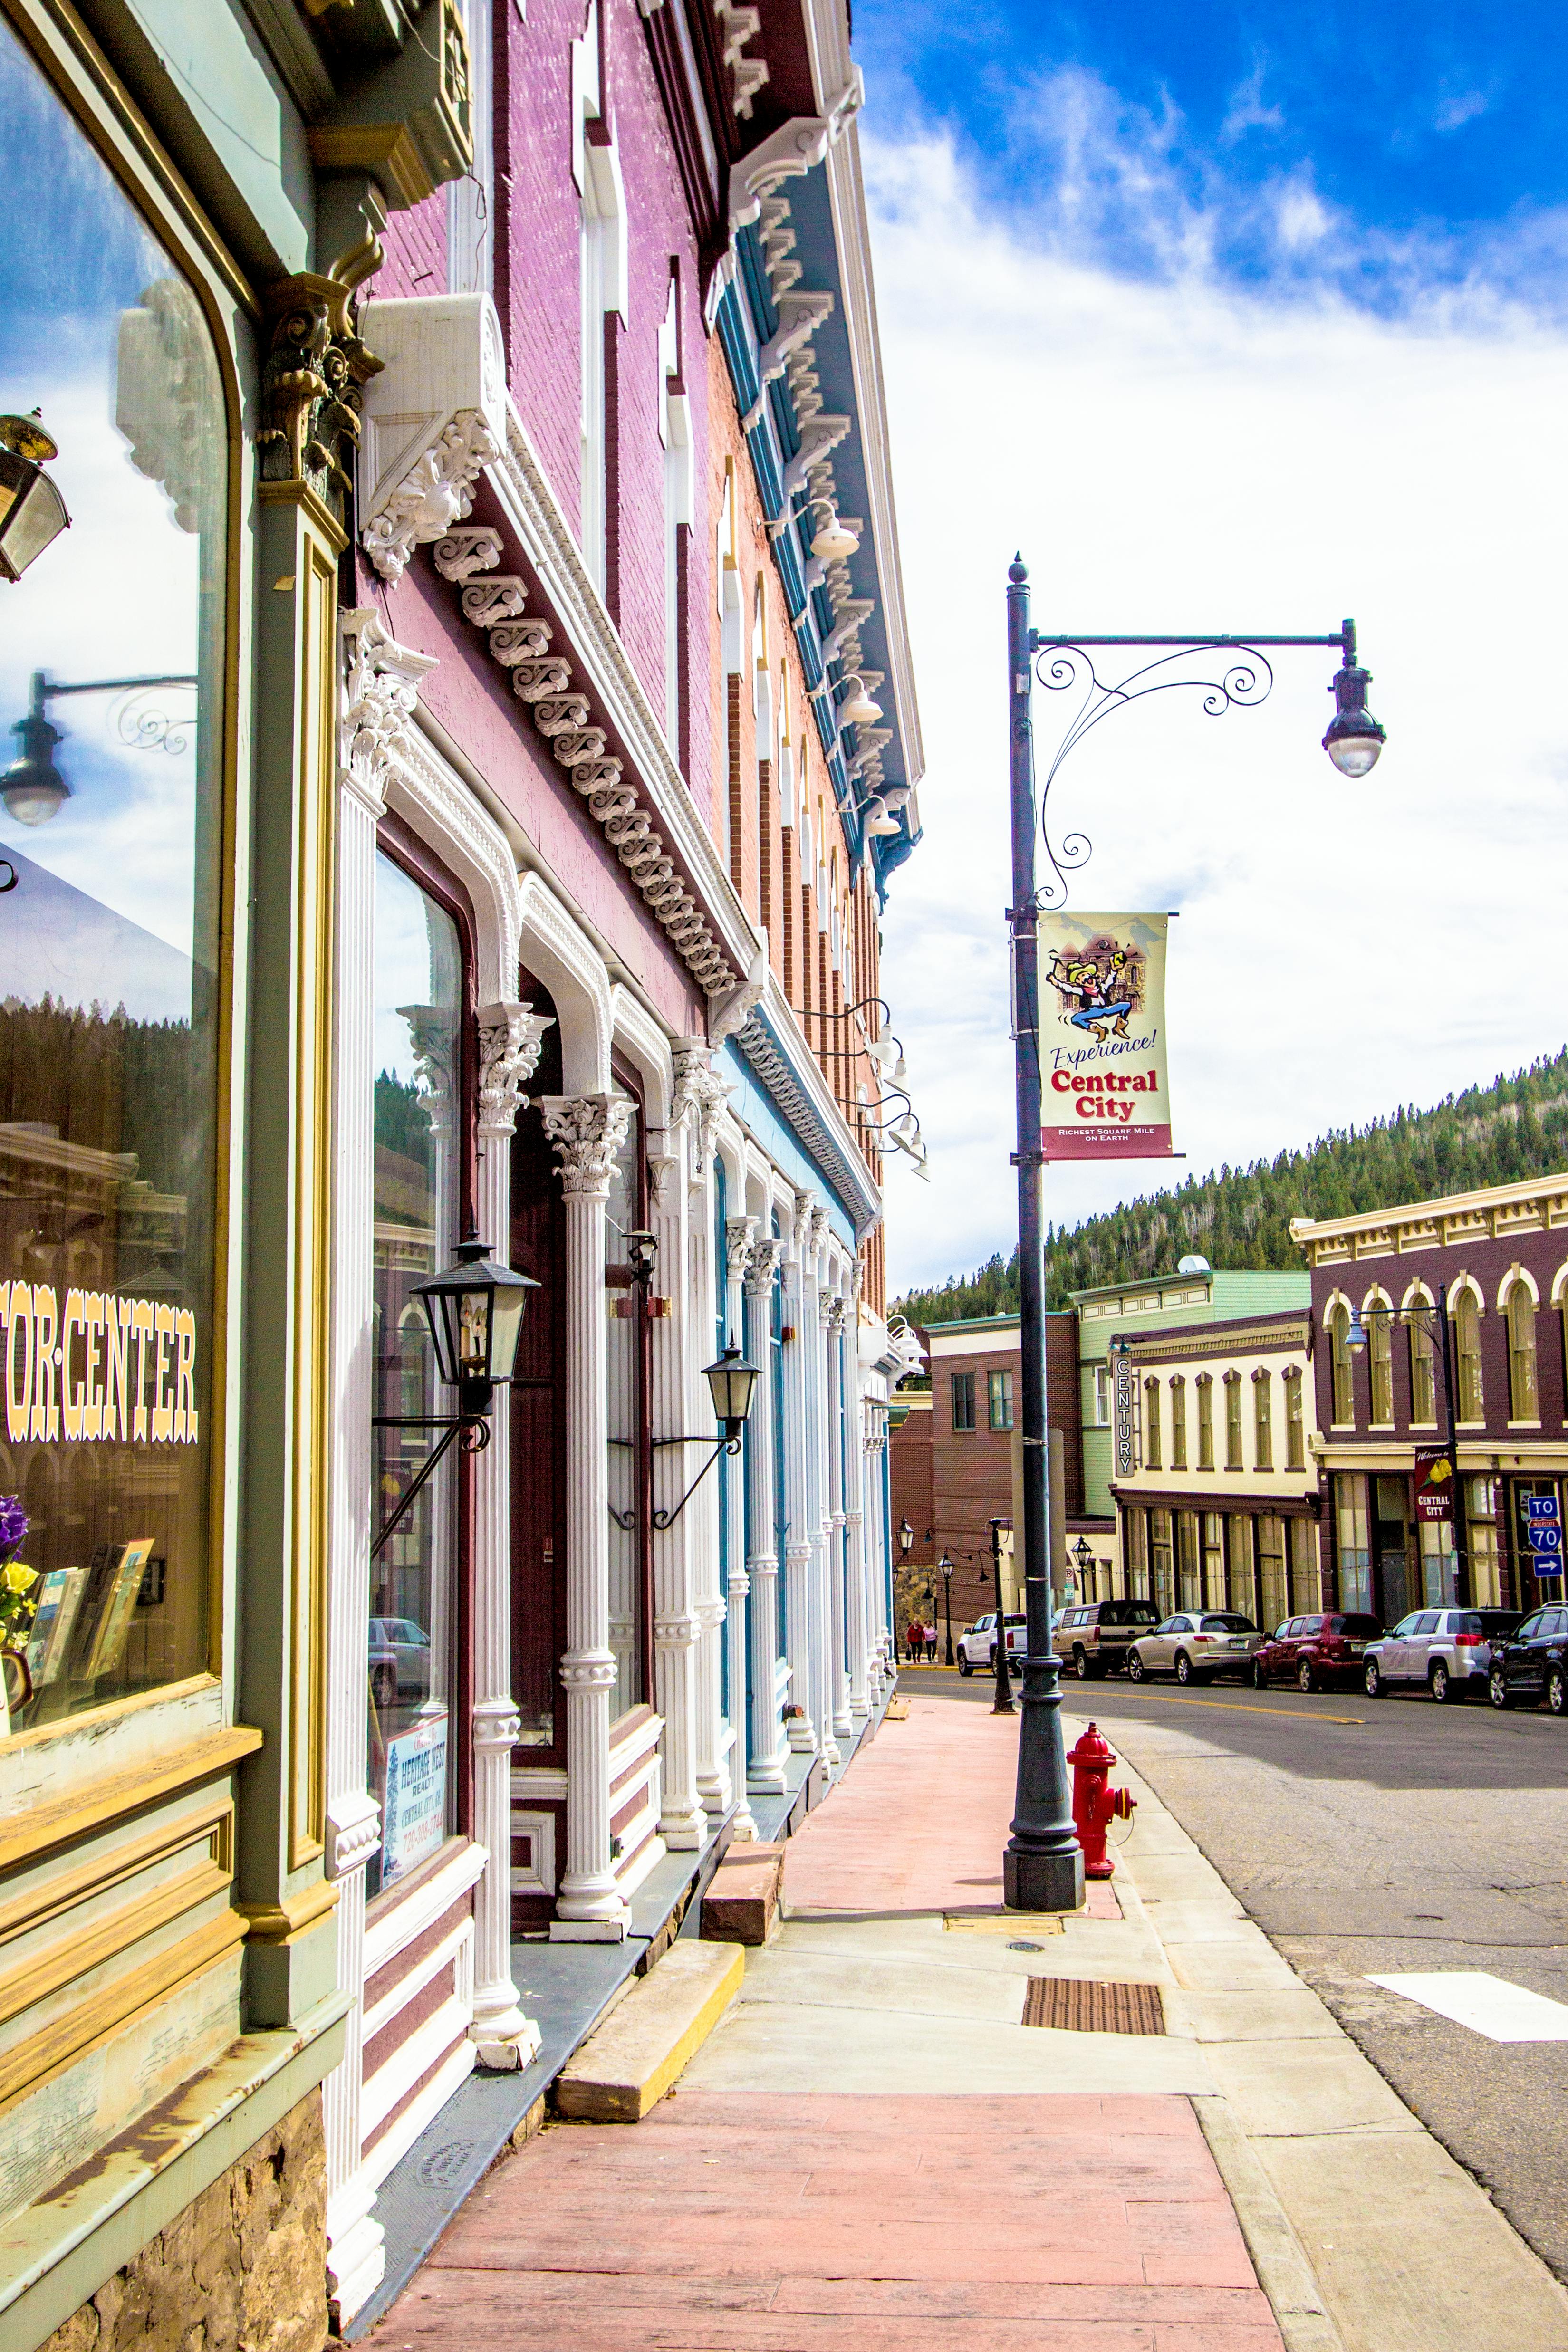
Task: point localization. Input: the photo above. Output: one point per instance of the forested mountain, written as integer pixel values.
(1501, 1134)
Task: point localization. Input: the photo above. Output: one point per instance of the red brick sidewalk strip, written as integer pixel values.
(731, 2223)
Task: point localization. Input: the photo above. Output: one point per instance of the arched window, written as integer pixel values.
(1468, 1348)
(1233, 1453)
(1295, 1425)
(1379, 1324)
(1178, 1423)
(1423, 1367)
(1151, 1424)
(1263, 1420)
(1523, 1399)
(1340, 1366)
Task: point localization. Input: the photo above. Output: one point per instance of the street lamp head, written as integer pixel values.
(474, 1312)
(1354, 738)
(1355, 1334)
(731, 1380)
(32, 511)
(859, 706)
(1082, 1554)
(906, 1537)
(944, 1566)
(32, 787)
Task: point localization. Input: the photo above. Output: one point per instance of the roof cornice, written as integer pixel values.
(1497, 1211)
(774, 1045)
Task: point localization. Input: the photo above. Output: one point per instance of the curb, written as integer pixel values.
(1284, 2274)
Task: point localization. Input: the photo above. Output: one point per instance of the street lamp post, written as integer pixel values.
(1042, 1866)
(946, 1565)
(1356, 1340)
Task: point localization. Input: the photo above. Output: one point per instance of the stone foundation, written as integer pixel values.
(242, 2269)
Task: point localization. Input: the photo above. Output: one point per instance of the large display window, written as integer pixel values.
(421, 1146)
(111, 817)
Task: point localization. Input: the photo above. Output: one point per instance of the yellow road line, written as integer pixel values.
(1243, 1706)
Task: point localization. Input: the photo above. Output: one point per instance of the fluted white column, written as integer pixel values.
(819, 1300)
(768, 1745)
(587, 1131)
(800, 1317)
(678, 1563)
(504, 2038)
(838, 1576)
(381, 693)
(739, 1236)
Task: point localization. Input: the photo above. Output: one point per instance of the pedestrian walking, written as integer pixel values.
(930, 1646)
(914, 1636)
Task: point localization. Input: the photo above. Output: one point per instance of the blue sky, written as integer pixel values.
(1230, 322)
(1387, 150)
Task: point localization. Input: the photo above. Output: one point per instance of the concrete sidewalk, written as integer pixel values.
(873, 2148)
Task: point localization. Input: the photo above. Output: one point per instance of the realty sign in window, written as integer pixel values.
(1104, 1091)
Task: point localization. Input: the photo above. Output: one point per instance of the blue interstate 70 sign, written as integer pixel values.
(1543, 1523)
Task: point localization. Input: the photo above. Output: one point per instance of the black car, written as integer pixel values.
(1532, 1663)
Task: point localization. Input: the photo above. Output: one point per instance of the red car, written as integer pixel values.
(1317, 1653)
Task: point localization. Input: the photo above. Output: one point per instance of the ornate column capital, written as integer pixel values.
(699, 1093)
(510, 1039)
(800, 1227)
(763, 1264)
(827, 1300)
(381, 693)
(586, 1132)
(836, 1312)
(739, 1238)
(496, 1723)
(312, 386)
(819, 1225)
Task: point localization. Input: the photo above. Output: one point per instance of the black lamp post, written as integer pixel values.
(1043, 1866)
(474, 1312)
(1356, 1340)
(946, 1565)
(32, 511)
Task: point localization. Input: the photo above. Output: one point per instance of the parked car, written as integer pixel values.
(399, 1660)
(1195, 1646)
(1449, 1650)
(1096, 1635)
(1317, 1652)
(976, 1646)
(1533, 1661)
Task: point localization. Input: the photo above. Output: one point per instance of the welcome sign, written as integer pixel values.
(1104, 1090)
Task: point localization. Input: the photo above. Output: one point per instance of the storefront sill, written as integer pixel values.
(60, 2251)
(113, 1796)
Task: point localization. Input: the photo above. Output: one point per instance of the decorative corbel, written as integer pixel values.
(800, 316)
(512, 1038)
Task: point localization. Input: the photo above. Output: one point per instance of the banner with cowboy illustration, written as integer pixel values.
(1104, 1091)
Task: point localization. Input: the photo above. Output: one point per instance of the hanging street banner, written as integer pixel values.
(1434, 1484)
(1104, 1092)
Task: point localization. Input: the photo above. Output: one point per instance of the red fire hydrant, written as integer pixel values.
(1095, 1805)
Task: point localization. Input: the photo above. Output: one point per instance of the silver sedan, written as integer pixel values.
(1195, 1646)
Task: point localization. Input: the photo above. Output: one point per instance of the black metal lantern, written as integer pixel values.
(731, 1380)
(32, 511)
(1082, 1555)
(32, 787)
(1354, 738)
(474, 1312)
(906, 1537)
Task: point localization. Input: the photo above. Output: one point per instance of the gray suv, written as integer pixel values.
(1097, 1634)
(1449, 1650)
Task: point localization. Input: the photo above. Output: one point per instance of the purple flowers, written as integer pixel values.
(13, 1526)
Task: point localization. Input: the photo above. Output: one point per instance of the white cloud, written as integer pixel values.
(1172, 456)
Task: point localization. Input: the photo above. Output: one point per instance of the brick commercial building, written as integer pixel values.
(471, 429)
(1495, 1264)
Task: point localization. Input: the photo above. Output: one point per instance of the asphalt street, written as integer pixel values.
(1382, 1836)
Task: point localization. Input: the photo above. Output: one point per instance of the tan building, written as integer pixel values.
(1218, 1504)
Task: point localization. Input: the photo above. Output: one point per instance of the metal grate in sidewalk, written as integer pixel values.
(1073, 2006)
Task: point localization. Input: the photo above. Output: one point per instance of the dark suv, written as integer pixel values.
(1317, 1652)
(1096, 1636)
(1532, 1664)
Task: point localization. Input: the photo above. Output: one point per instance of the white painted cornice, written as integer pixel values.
(793, 1076)
(602, 662)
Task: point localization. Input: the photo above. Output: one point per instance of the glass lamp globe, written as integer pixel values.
(731, 1380)
(833, 543)
(1354, 755)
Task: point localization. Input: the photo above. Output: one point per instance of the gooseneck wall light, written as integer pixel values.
(475, 1313)
(731, 1382)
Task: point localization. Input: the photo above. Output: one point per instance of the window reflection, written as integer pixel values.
(418, 1009)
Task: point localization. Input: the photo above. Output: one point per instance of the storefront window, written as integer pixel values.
(1242, 1582)
(1188, 1595)
(1480, 1520)
(1164, 1593)
(1214, 1561)
(1354, 1541)
(420, 1158)
(1306, 1576)
(111, 678)
(1274, 1591)
(1136, 1552)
